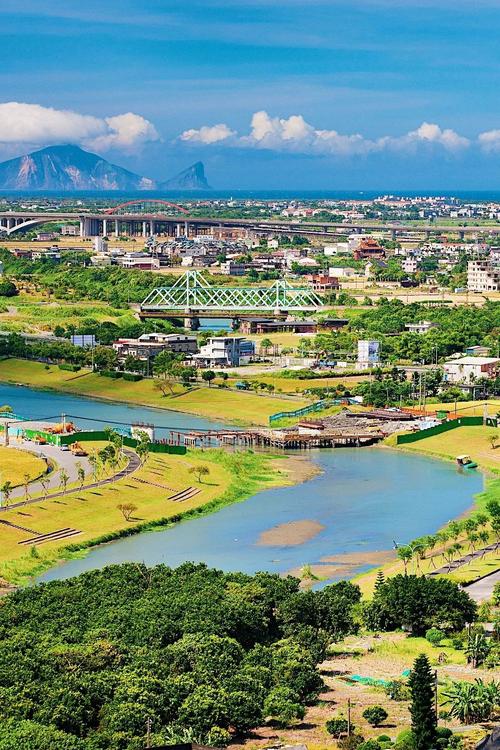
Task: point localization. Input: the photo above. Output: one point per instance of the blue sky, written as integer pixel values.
(359, 78)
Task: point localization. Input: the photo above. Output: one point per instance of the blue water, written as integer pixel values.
(366, 498)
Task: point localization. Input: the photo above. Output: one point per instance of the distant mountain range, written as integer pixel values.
(69, 168)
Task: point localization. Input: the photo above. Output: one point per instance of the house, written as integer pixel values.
(477, 351)
(225, 351)
(340, 272)
(423, 326)
(140, 261)
(467, 370)
(149, 345)
(323, 283)
(483, 276)
(233, 268)
(369, 248)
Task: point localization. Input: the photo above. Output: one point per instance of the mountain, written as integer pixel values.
(192, 178)
(67, 168)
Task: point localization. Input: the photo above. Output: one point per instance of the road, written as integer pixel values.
(483, 590)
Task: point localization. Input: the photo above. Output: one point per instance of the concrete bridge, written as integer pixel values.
(114, 223)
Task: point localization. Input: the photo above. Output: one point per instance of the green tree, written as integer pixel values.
(423, 716)
(208, 376)
(375, 715)
(200, 471)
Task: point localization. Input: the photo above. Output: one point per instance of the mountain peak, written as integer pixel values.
(192, 178)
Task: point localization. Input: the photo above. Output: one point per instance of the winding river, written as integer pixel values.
(362, 501)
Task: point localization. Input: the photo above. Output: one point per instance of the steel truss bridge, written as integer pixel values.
(192, 296)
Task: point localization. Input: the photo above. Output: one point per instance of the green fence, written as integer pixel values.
(98, 435)
(444, 427)
(318, 406)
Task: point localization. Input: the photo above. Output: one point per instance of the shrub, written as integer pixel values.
(114, 374)
(133, 376)
(398, 690)
(434, 636)
(384, 738)
(405, 740)
(375, 715)
(337, 726)
(370, 745)
(69, 368)
(351, 743)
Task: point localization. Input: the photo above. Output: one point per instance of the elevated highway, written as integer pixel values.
(114, 223)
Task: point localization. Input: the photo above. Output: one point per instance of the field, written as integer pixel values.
(35, 313)
(475, 441)
(231, 477)
(214, 403)
(15, 464)
(296, 385)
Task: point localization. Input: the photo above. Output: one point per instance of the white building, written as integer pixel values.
(100, 245)
(483, 276)
(409, 265)
(225, 351)
(338, 248)
(368, 353)
(421, 327)
(467, 370)
(339, 272)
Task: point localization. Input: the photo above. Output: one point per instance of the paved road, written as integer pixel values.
(483, 589)
(62, 460)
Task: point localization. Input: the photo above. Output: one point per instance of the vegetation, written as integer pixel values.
(15, 463)
(423, 716)
(190, 649)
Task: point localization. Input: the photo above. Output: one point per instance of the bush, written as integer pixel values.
(351, 743)
(133, 376)
(434, 636)
(114, 374)
(384, 738)
(337, 726)
(7, 288)
(443, 733)
(69, 368)
(398, 690)
(405, 740)
(370, 745)
(375, 715)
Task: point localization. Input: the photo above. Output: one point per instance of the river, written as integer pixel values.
(363, 500)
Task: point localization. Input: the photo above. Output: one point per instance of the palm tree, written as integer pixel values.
(93, 465)
(80, 472)
(405, 554)
(484, 538)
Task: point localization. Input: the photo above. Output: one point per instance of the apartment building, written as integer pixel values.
(483, 276)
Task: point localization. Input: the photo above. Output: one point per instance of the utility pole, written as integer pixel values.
(348, 717)
(148, 731)
(436, 693)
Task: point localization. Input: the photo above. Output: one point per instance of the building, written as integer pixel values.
(323, 283)
(233, 268)
(368, 248)
(341, 272)
(149, 345)
(421, 327)
(477, 351)
(368, 353)
(139, 261)
(45, 236)
(225, 351)
(100, 245)
(410, 265)
(468, 370)
(483, 276)
(70, 230)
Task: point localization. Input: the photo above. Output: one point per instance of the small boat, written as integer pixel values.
(466, 462)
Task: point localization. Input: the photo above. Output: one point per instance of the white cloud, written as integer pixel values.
(490, 140)
(297, 135)
(35, 125)
(207, 134)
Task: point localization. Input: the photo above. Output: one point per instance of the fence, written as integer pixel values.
(317, 406)
(98, 435)
(444, 427)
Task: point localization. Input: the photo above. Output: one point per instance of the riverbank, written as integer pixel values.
(151, 490)
(475, 441)
(243, 408)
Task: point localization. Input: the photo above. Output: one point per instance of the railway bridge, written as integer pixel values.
(192, 297)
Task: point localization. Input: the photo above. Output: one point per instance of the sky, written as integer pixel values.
(269, 94)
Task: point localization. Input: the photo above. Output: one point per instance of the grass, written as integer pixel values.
(15, 464)
(473, 440)
(214, 403)
(296, 385)
(35, 313)
(232, 478)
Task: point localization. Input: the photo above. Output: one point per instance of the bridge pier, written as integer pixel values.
(192, 323)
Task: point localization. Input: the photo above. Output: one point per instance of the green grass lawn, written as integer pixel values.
(94, 512)
(473, 440)
(214, 403)
(16, 463)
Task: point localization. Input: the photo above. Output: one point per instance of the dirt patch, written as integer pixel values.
(297, 468)
(290, 534)
(355, 559)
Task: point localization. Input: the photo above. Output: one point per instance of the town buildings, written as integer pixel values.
(149, 345)
(483, 275)
(225, 351)
(467, 370)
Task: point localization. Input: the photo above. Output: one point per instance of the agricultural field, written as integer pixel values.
(17, 464)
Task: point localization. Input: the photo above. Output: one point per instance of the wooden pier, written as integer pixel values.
(282, 439)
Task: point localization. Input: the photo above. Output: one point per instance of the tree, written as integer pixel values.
(26, 482)
(477, 649)
(200, 471)
(337, 726)
(80, 472)
(165, 385)
(127, 509)
(375, 715)
(380, 580)
(283, 707)
(208, 376)
(423, 715)
(7, 288)
(6, 489)
(44, 481)
(472, 701)
(63, 480)
(493, 440)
